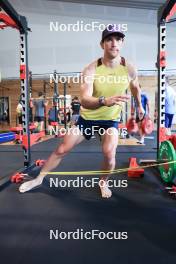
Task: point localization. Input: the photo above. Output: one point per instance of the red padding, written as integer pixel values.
(8, 21)
(16, 129)
(172, 12)
(134, 171)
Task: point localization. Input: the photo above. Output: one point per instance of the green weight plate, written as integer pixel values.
(167, 153)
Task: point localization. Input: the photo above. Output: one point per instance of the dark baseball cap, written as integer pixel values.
(112, 29)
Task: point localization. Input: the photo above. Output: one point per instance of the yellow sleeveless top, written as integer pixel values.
(108, 82)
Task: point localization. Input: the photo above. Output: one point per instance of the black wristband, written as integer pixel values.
(101, 101)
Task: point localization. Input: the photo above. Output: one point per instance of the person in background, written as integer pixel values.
(19, 112)
(40, 103)
(75, 106)
(170, 106)
(53, 116)
(146, 107)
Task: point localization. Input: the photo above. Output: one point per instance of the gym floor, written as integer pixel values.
(143, 210)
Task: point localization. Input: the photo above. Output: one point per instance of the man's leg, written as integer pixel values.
(170, 117)
(141, 133)
(70, 140)
(41, 124)
(109, 146)
(36, 124)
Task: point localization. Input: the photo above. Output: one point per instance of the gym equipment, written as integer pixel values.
(40, 162)
(132, 126)
(6, 137)
(17, 178)
(172, 139)
(18, 132)
(171, 190)
(166, 154)
(147, 125)
(33, 139)
(15, 20)
(134, 171)
(165, 12)
(162, 134)
(8, 21)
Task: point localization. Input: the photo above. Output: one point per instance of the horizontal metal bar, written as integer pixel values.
(171, 20)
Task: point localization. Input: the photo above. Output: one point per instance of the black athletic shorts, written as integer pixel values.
(20, 120)
(39, 118)
(89, 127)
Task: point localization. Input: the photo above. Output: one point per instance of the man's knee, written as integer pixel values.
(109, 156)
(62, 150)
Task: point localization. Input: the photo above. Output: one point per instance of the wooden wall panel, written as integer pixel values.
(11, 88)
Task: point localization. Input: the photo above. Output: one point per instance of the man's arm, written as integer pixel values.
(135, 89)
(148, 107)
(31, 104)
(134, 83)
(133, 109)
(45, 102)
(87, 99)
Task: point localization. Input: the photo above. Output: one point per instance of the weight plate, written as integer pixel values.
(166, 154)
(147, 125)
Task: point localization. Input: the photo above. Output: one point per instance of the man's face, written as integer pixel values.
(112, 46)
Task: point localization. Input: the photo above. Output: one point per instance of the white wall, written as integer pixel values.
(71, 51)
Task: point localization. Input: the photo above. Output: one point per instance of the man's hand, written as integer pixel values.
(116, 100)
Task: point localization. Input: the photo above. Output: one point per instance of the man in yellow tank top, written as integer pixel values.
(102, 96)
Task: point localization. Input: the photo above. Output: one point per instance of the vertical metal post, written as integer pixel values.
(161, 64)
(45, 113)
(65, 112)
(30, 95)
(56, 96)
(126, 110)
(56, 92)
(25, 96)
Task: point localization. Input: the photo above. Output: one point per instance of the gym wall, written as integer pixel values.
(71, 51)
(11, 88)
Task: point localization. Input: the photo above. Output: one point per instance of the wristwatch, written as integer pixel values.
(101, 101)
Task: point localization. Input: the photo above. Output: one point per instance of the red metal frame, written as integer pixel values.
(8, 21)
(171, 13)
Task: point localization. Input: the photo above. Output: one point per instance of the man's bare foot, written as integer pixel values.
(105, 191)
(27, 186)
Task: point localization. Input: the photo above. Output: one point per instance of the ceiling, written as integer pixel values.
(138, 4)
